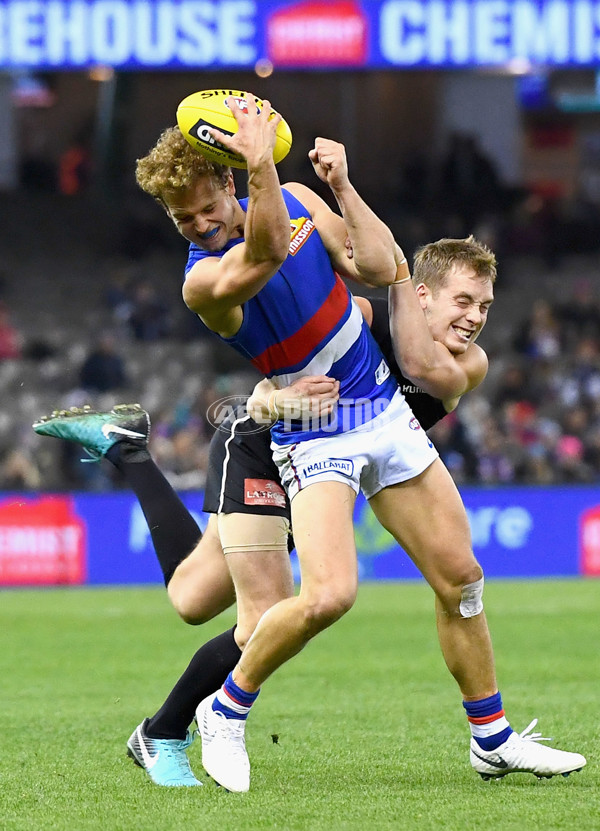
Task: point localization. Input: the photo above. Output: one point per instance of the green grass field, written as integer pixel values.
(372, 734)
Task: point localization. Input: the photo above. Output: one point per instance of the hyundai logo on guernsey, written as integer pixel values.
(345, 466)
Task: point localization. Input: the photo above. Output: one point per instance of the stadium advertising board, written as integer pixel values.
(102, 539)
(42, 541)
(383, 34)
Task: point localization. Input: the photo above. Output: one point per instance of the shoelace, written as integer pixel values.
(533, 737)
(93, 455)
(174, 751)
(233, 730)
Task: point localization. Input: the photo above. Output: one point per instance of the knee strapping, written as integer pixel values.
(471, 599)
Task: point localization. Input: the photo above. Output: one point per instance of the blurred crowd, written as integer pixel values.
(463, 192)
(540, 421)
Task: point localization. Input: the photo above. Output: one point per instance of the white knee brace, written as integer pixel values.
(471, 602)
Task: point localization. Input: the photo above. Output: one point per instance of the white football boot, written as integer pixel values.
(523, 753)
(224, 755)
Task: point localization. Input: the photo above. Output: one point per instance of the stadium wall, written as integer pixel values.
(103, 539)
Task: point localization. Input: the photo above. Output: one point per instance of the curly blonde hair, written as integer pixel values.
(173, 165)
(435, 260)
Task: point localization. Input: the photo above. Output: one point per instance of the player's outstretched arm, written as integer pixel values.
(215, 286)
(372, 241)
(267, 229)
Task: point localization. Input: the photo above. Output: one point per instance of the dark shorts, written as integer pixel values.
(242, 476)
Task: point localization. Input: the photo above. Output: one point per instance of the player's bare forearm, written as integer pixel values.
(267, 226)
(372, 243)
(312, 396)
(267, 230)
(371, 240)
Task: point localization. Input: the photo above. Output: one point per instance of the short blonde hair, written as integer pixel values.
(173, 166)
(435, 260)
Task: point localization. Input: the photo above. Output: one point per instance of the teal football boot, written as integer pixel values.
(97, 432)
(164, 760)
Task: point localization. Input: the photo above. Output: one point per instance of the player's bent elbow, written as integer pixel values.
(379, 273)
(417, 364)
(191, 296)
(281, 250)
(236, 287)
(428, 377)
(268, 262)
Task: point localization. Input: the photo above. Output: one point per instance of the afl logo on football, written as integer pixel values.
(242, 104)
(414, 424)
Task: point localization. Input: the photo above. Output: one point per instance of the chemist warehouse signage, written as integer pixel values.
(179, 34)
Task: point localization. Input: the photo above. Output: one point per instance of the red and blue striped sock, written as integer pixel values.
(233, 701)
(489, 726)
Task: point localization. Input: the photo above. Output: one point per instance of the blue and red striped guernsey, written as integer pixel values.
(294, 349)
(305, 322)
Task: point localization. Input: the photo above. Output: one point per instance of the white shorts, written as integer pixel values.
(391, 448)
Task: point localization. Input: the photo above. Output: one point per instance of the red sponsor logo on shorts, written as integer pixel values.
(42, 542)
(263, 492)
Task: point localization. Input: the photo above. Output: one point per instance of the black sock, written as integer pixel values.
(206, 672)
(174, 530)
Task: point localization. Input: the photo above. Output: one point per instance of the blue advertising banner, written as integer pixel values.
(99, 539)
(305, 34)
(516, 532)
